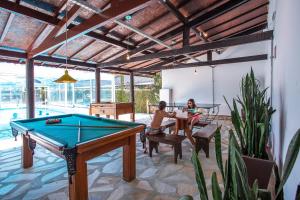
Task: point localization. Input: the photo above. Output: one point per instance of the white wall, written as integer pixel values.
(186, 84)
(286, 90)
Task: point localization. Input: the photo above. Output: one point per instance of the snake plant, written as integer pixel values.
(234, 173)
(253, 127)
(234, 176)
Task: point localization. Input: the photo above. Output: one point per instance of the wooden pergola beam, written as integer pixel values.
(251, 30)
(7, 25)
(50, 20)
(197, 48)
(47, 59)
(19, 9)
(72, 14)
(208, 63)
(219, 10)
(63, 61)
(37, 36)
(184, 20)
(21, 55)
(174, 10)
(116, 10)
(109, 40)
(12, 54)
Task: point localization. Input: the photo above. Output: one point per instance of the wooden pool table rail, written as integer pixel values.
(76, 157)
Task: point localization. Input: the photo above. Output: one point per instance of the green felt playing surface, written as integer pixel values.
(68, 136)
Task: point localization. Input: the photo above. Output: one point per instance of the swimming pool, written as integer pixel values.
(10, 114)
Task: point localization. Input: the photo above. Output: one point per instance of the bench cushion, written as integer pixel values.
(166, 138)
(206, 132)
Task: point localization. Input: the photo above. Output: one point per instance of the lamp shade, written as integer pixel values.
(66, 78)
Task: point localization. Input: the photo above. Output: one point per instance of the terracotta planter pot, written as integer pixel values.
(258, 169)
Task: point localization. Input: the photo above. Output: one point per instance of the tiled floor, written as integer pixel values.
(157, 177)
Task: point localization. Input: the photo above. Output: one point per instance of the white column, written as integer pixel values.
(73, 94)
(91, 91)
(66, 94)
(113, 89)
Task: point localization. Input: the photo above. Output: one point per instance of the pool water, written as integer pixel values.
(7, 115)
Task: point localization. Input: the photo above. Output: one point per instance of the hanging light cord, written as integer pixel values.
(66, 26)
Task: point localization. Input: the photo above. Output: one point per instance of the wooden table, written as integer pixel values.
(114, 109)
(76, 150)
(182, 119)
(182, 123)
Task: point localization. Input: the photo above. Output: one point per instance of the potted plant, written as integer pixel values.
(234, 174)
(252, 128)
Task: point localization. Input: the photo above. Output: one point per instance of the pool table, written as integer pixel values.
(96, 136)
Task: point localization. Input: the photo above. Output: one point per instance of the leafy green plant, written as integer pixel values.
(142, 94)
(234, 174)
(154, 95)
(121, 94)
(289, 163)
(253, 127)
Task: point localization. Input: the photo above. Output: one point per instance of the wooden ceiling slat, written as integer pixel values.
(116, 10)
(241, 26)
(263, 16)
(209, 63)
(203, 47)
(82, 48)
(248, 31)
(23, 10)
(183, 19)
(238, 16)
(200, 19)
(72, 14)
(112, 56)
(220, 19)
(98, 52)
(19, 9)
(38, 35)
(7, 25)
(54, 50)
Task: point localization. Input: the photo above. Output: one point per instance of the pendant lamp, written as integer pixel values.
(66, 78)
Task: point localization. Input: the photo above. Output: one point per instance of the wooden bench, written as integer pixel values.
(171, 139)
(203, 137)
(170, 124)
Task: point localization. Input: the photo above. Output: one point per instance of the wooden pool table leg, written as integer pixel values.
(78, 189)
(27, 158)
(129, 159)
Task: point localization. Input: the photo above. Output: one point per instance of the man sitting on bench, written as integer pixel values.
(155, 126)
(159, 115)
